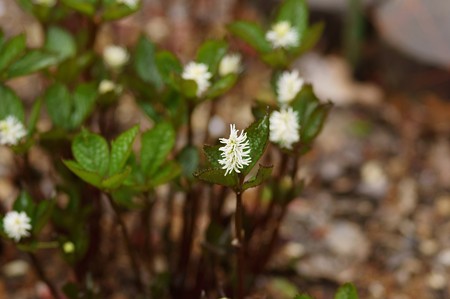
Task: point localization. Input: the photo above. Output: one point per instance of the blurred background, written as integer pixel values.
(376, 210)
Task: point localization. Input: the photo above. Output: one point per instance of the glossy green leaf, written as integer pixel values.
(32, 61)
(61, 43)
(121, 149)
(252, 34)
(34, 115)
(217, 176)
(83, 103)
(91, 152)
(145, 62)
(10, 104)
(156, 145)
(86, 7)
(24, 203)
(59, 106)
(315, 123)
(258, 136)
(210, 53)
(90, 177)
(221, 86)
(213, 154)
(264, 172)
(347, 291)
(116, 180)
(296, 12)
(12, 50)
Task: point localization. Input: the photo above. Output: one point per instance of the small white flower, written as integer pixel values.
(197, 72)
(288, 85)
(282, 35)
(284, 127)
(48, 3)
(129, 3)
(17, 225)
(115, 56)
(230, 64)
(11, 131)
(235, 152)
(106, 86)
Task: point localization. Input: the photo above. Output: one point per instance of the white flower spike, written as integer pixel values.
(288, 85)
(230, 64)
(17, 225)
(115, 56)
(284, 127)
(282, 35)
(11, 131)
(197, 72)
(235, 152)
(130, 3)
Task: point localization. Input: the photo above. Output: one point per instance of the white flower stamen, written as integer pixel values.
(282, 35)
(288, 86)
(235, 152)
(230, 64)
(197, 72)
(11, 131)
(284, 127)
(17, 225)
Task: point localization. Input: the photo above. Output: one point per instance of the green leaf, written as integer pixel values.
(217, 176)
(258, 135)
(121, 149)
(32, 61)
(347, 291)
(167, 65)
(252, 34)
(116, 11)
(311, 37)
(12, 50)
(211, 52)
(10, 104)
(58, 103)
(263, 174)
(34, 116)
(83, 103)
(296, 13)
(188, 159)
(315, 123)
(213, 154)
(303, 296)
(116, 180)
(156, 145)
(165, 174)
(24, 203)
(41, 215)
(91, 152)
(61, 43)
(188, 88)
(86, 7)
(90, 177)
(145, 62)
(221, 86)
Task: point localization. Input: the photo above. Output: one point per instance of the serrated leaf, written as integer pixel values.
(10, 104)
(121, 149)
(24, 203)
(168, 64)
(165, 174)
(296, 12)
(263, 174)
(347, 291)
(86, 7)
(252, 34)
(217, 176)
(145, 62)
(210, 53)
(32, 61)
(258, 135)
(91, 152)
(116, 180)
(58, 103)
(83, 103)
(156, 145)
(221, 86)
(11, 50)
(90, 177)
(60, 42)
(213, 154)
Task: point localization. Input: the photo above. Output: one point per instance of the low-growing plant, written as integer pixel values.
(98, 168)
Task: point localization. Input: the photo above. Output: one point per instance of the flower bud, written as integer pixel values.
(68, 247)
(115, 57)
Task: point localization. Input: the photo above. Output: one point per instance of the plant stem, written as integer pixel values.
(240, 246)
(126, 237)
(40, 272)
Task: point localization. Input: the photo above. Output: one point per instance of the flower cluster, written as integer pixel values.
(11, 131)
(236, 151)
(284, 127)
(282, 35)
(288, 86)
(115, 56)
(197, 72)
(17, 225)
(230, 64)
